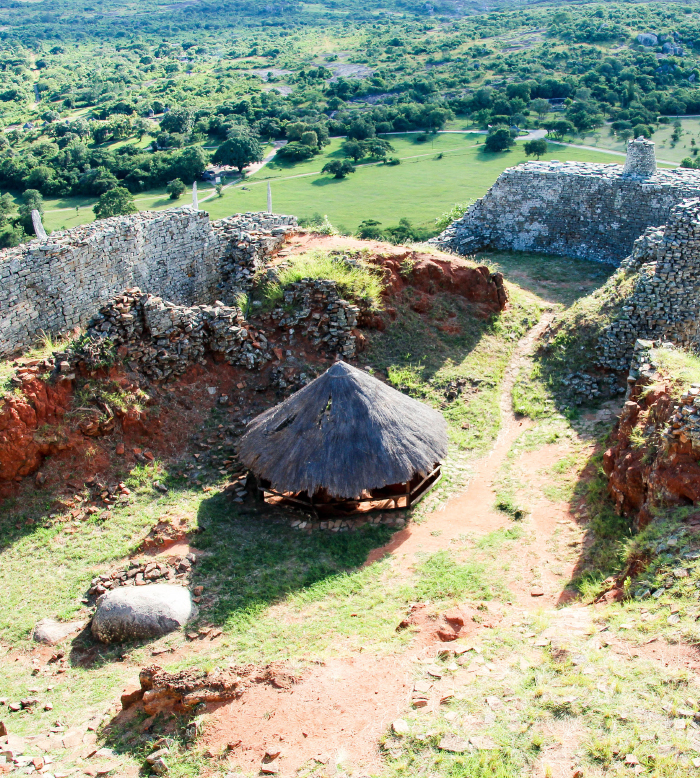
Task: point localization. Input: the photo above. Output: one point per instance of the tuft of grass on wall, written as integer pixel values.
(357, 281)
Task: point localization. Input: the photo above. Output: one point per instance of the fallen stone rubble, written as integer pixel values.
(321, 314)
(162, 340)
(143, 573)
(185, 690)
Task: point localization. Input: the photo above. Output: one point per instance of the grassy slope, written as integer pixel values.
(421, 188)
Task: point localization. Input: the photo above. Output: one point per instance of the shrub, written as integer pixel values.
(175, 188)
(456, 212)
(116, 202)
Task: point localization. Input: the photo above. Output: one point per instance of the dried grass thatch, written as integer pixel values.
(345, 432)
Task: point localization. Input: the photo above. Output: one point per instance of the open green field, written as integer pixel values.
(421, 188)
(665, 150)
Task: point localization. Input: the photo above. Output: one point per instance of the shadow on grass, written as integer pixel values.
(255, 559)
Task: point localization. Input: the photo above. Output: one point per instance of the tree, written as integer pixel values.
(141, 127)
(541, 107)
(377, 148)
(535, 148)
(219, 190)
(309, 138)
(7, 206)
(178, 120)
(116, 202)
(559, 128)
(32, 201)
(370, 229)
(354, 149)
(296, 152)
(175, 188)
(499, 139)
(239, 150)
(338, 169)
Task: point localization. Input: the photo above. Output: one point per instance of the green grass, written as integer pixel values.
(665, 150)
(421, 188)
(280, 594)
(442, 577)
(570, 346)
(358, 281)
(681, 365)
(422, 358)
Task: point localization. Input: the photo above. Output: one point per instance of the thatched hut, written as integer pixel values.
(346, 441)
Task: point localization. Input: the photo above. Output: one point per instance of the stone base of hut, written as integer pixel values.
(392, 497)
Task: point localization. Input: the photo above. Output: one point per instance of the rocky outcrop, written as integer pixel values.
(431, 274)
(182, 691)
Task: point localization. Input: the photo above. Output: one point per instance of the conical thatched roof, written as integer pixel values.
(344, 432)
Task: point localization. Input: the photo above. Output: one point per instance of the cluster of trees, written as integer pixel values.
(403, 232)
(195, 84)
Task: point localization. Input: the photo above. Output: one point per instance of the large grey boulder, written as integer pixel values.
(50, 631)
(143, 612)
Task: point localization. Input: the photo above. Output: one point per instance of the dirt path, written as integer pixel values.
(472, 511)
(339, 710)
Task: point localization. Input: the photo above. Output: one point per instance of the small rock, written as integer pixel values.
(482, 743)
(631, 759)
(119, 450)
(435, 671)
(400, 727)
(156, 755)
(454, 744)
(159, 766)
(129, 613)
(270, 768)
(536, 591)
(50, 631)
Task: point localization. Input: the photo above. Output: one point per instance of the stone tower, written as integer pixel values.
(641, 159)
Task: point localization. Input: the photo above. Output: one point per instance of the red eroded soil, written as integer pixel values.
(21, 451)
(35, 423)
(335, 714)
(426, 273)
(638, 476)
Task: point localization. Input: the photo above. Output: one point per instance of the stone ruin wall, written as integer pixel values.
(584, 210)
(665, 302)
(59, 283)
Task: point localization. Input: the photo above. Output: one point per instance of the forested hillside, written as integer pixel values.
(131, 97)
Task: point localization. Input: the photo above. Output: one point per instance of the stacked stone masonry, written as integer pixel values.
(59, 283)
(577, 209)
(323, 316)
(664, 303)
(162, 340)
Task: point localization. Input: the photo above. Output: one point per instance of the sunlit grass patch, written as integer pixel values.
(357, 280)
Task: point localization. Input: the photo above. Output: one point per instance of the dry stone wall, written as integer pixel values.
(58, 283)
(577, 209)
(664, 304)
